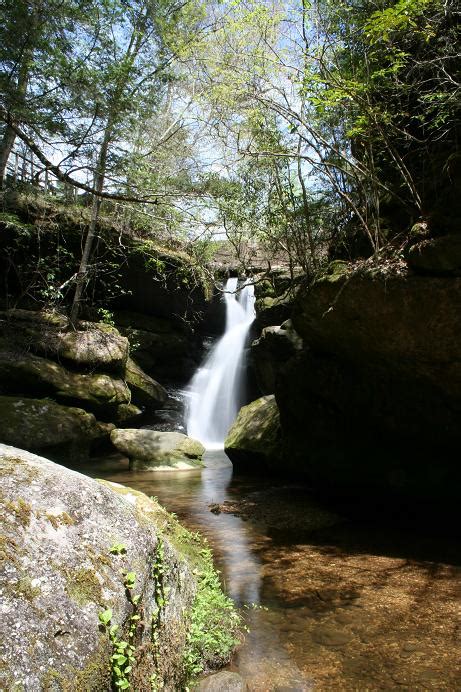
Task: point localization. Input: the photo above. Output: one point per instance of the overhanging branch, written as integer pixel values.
(61, 175)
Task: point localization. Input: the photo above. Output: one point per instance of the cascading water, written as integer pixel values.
(214, 395)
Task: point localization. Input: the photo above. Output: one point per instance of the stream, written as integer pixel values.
(331, 604)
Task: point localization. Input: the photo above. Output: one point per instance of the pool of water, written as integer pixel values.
(331, 604)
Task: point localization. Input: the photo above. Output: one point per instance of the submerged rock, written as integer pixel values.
(255, 437)
(223, 682)
(153, 450)
(90, 565)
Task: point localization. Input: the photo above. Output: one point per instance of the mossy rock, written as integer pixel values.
(21, 372)
(37, 423)
(144, 389)
(255, 437)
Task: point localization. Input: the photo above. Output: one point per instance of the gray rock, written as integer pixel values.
(98, 345)
(153, 450)
(223, 682)
(60, 574)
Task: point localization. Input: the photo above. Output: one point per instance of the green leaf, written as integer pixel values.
(106, 616)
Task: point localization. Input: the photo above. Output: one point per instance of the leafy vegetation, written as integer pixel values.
(309, 128)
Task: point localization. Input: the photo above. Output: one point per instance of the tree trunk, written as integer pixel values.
(96, 206)
(5, 150)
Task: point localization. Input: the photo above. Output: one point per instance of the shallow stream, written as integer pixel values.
(331, 604)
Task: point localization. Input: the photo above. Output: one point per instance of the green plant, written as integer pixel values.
(214, 622)
(118, 549)
(158, 572)
(122, 657)
(106, 316)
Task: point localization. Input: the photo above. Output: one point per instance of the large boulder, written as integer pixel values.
(37, 424)
(96, 590)
(158, 451)
(144, 389)
(23, 372)
(255, 437)
(91, 345)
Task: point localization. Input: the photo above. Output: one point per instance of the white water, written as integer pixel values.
(214, 395)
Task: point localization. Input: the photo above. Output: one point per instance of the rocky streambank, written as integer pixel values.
(366, 381)
(66, 391)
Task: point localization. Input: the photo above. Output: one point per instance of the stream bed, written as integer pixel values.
(331, 604)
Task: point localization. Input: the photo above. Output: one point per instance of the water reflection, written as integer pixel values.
(344, 608)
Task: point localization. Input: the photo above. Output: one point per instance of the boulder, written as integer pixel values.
(88, 566)
(158, 451)
(92, 345)
(145, 390)
(438, 256)
(127, 412)
(22, 372)
(36, 424)
(255, 437)
(98, 345)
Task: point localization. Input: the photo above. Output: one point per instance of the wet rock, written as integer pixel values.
(62, 571)
(36, 424)
(145, 390)
(153, 450)
(223, 682)
(254, 438)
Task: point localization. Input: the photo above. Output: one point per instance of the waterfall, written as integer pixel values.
(214, 395)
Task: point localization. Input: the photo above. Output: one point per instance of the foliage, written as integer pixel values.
(213, 622)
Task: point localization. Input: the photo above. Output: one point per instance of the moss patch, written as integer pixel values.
(83, 586)
(21, 509)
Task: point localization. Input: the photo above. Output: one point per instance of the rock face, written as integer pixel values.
(38, 424)
(271, 351)
(255, 437)
(42, 356)
(374, 401)
(82, 558)
(153, 450)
